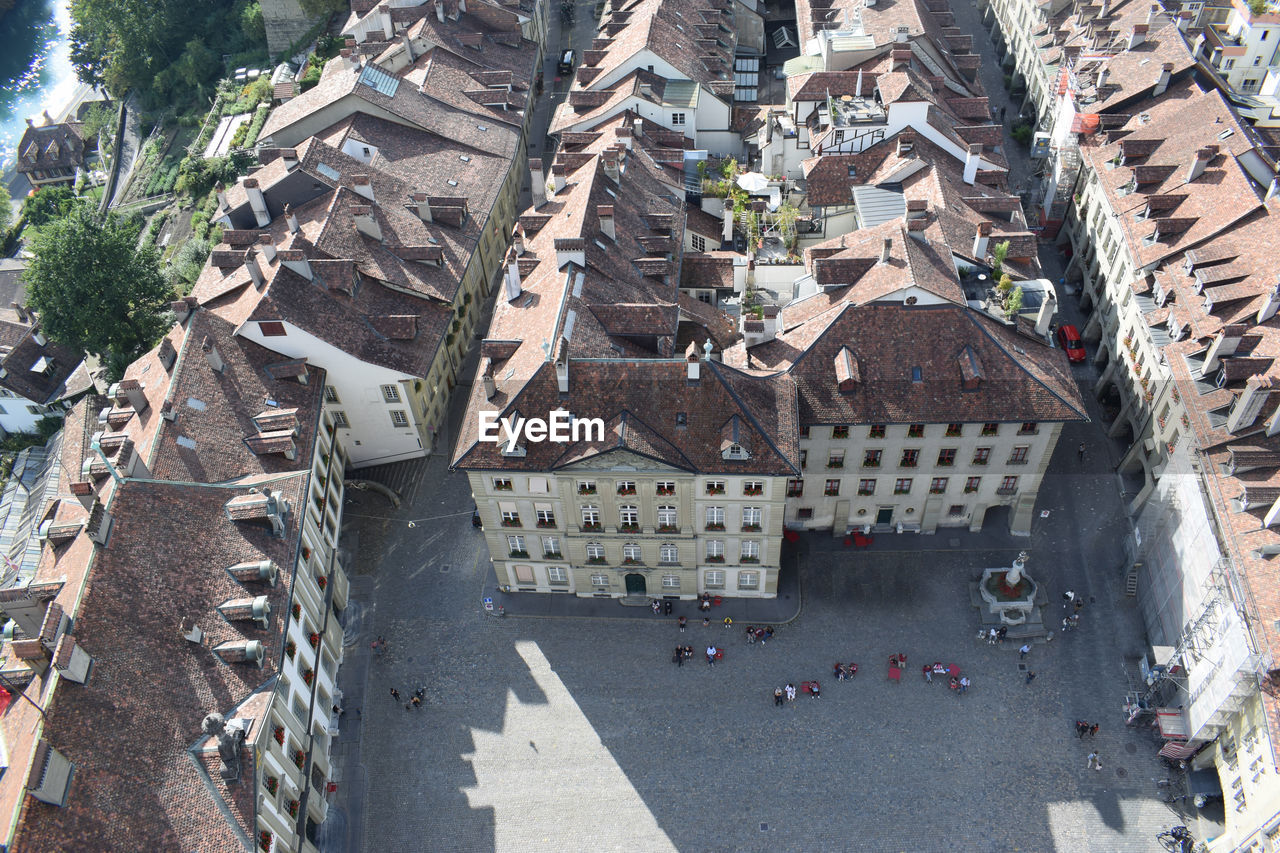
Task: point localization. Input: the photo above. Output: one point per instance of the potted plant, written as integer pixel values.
(586, 490)
(278, 734)
(293, 808)
(272, 784)
(668, 528)
(296, 610)
(308, 676)
(715, 526)
(753, 490)
(590, 525)
(519, 555)
(630, 561)
(715, 559)
(665, 492)
(626, 490)
(322, 581)
(546, 522)
(264, 841)
(596, 561)
(299, 758)
(715, 490)
(749, 560)
(629, 527)
(290, 649)
(750, 528)
(314, 639)
(510, 522)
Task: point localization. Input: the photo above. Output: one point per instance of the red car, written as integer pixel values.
(1069, 337)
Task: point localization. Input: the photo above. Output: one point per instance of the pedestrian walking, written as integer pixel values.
(682, 622)
(711, 655)
(1081, 728)
(395, 694)
(964, 684)
(1093, 730)
(777, 697)
(928, 673)
(1068, 597)
(667, 607)
(992, 637)
(1080, 452)
(1095, 762)
(1066, 624)
(706, 622)
(678, 657)
(728, 622)
(655, 607)
(1024, 651)
(416, 701)
(1030, 676)
(791, 692)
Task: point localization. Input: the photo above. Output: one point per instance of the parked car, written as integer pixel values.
(565, 66)
(1069, 337)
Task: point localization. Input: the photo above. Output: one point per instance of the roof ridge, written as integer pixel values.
(971, 315)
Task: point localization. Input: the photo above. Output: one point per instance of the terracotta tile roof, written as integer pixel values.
(50, 146)
(41, 373)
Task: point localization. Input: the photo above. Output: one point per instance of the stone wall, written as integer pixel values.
(286, 23)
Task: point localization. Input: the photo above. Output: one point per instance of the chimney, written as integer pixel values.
(348, 59)
(1199, 161)
(886, 250)
(295, 260)
(637, 127)
(1101, 80)
(1166, 71)
(1272, 301)
(422, 204)
(362, 185)
(562, 367)
(19, 309)
(557, 178)
(462, 6)
(267, 246)
(517, 239)
(694, 363)
(257, 202)
(221, 189)
(1184, 21)
(570, 250)
(1048, 308)
(489, 388)
(971, 163)
(610, 159)
(1274, 189)
(384, 18)
(906, 142)
(1245, 410)
(1151, 14)
(901, 35)
(38, 337)
(770, 316)
(726, 232)
(83, 491)
(251, 264)
(440, 11)
(408, 46)
(981, 239)
(1104, 9)
(214, 357)
(366, 222)
(512, 277)
(605, 212)
(1138, 36)
(132, 390)
(1224, 344)
(291, 219)
(537, 182)
(181, 309)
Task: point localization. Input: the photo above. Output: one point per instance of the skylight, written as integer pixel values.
(328, 171)
(378, 80)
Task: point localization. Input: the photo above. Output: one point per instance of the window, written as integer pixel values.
(876, 431)
(954, 430)
(748, 580)
(670, 581)
(591, 517)
(938, 485)
(871, 459)
(835, 459)
(626, 487)
(557, 575)
(510, 516)
(715, 518)
(956, 510)
(795, 488)
(840, 432)
(550, 546)
(915, 431)
(587, 487)
(750, 551)
(804, 512)
(990, 429)
(668, 554)
(630, 553)
(1008, 485)
(666, 518)
(629, 517)
(902, 486)
(804, 431)
(832, 489)
(699, 242)
(715, 487)
(595, 551)
(947, 456)
(804, 458)
(340, 420)
(677, 119)
(714, 579)
(1019, 455)
(599, 580)
(971, 484)
(516, 545)
(502, 484)
(715, 550)
(391, 393)
(910, 457)
(1028, 429)
(752, 517)
(665, 487)
(981, 456)
(753, 487)
(866, 487)
(271, 328)
(546, 517)
(330, 394)
(399, 418)
(736, 451)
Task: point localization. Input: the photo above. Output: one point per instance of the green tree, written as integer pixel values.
(94, 289)
(253, 24)
(6, 211)
(99, 118)
(322, 8)
(47, 204)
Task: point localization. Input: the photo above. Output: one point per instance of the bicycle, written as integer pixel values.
(1177, 839)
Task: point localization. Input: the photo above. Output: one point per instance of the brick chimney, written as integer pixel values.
(972, 156)
(886, 250)
(362, 185)
(512, 277)
(268, 247)
(366, 223)
(1138, 36)
(296, 260)
(981, 239)
(906, 141)
(1224, 345)
(537, 182)
(132, 391)
(1199, 161)
(257, 202)
(212, 355)
(1166, 72)
(605, 212)
(251, 264)
(291, 219)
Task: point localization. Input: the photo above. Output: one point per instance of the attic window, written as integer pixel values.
(736, 451)
(682, 419)
(853, 171)
(464, 158)
(451, 182)
(481, 128)
(1226, 134)
(917, 375)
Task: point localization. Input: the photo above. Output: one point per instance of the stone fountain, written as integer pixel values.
(1009, 594)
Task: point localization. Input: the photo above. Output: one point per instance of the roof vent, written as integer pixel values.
(190, 631)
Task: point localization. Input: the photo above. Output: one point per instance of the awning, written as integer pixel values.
(1177, 751)
(1173, 725)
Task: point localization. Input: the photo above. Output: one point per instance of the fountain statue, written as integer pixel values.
(1014, 575)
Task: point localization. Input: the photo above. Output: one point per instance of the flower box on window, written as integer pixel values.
(1186, 422)
(544, 523)
(946, 463)
(272, 784)
(753, 491)
(511, 522)
(749, 560)
(668, 528)
(306, 553)
(308, 676)
(596, 561)
(552, 555)
(296, 610)
(629, 527)
(290, 649)
(630, 561)
(519, 555)
(586, 490)
(264, 841)
(322, 581)
(299, 758)
(314, 639)
(293, 808)
(715, 490)
(970, 489)
(750, 528)
(835, 463)
(715, 559)
(590, 525)
(627, 490)
(666, 492)
(502, 487)
(712, 525)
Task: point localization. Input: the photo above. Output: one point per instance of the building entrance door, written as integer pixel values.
(635, 584)
(884, 515)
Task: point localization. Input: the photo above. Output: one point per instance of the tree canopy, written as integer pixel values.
(94, 289)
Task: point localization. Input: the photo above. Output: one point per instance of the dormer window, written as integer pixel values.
(736, 451)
